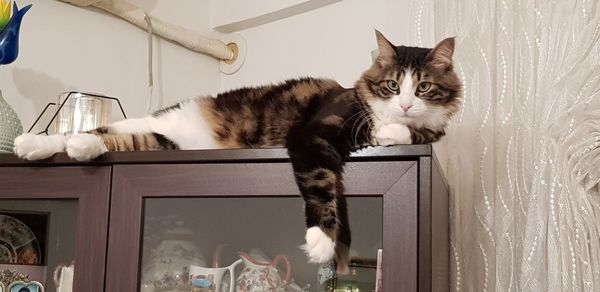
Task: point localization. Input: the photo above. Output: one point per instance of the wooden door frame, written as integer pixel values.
(395, 181)
(90, 186)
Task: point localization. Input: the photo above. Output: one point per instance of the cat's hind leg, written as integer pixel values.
(117, 136)
(36, 147)
(126, 135)
(85, 146)
(88, 146)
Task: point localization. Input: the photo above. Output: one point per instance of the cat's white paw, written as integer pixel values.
(35, 147)
(85, 147)
(319, 247)
(393, 134)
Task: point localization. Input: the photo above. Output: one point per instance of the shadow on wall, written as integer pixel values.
(157, 100)
(40, 89)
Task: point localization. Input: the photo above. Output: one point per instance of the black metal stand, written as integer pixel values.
(45, 131)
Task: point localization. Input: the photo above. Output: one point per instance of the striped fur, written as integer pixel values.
(133, 141)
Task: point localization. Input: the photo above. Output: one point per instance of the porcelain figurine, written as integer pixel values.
(257, 276)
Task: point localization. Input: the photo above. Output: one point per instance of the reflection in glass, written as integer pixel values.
(249, 244)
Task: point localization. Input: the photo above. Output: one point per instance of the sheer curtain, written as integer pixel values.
(522, 156)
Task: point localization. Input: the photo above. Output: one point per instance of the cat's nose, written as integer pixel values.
(406, 107)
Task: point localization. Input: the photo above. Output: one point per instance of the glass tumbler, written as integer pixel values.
(82, 112)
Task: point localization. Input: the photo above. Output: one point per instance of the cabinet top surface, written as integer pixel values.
(399, 152)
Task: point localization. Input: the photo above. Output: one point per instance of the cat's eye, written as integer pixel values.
(392, 85)
(424, 86)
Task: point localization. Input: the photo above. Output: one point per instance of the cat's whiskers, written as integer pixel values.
(367, 108)
(364, 119)
(349, 119)
(355, 139)
(361, 113)
(368, 123)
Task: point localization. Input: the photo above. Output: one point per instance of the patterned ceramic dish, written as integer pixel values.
(18, 244)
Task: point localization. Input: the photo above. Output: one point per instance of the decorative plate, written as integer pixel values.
(18, 245)
(23, 286)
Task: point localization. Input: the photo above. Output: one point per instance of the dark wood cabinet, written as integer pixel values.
(397, 194)
(45, 188)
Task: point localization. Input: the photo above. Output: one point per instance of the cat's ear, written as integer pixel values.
(387, 51)
(440, 57)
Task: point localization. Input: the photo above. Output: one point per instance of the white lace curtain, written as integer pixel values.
(522, 156)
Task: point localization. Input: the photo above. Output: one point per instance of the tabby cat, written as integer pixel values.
(407, 96)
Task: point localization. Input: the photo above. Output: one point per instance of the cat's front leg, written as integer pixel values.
(317, 154)
(393, 134)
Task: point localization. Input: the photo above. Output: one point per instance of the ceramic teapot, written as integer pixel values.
(168, 267)
(257, 276)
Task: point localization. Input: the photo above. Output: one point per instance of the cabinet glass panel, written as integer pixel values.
(249, 244)
(37, 238)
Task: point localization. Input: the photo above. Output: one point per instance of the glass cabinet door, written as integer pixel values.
(37, 238)
(53, 227)
(249, 244)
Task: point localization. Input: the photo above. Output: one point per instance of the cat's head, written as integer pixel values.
(412, 86)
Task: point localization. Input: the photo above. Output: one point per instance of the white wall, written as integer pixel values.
(334, 41)
(64, 47)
